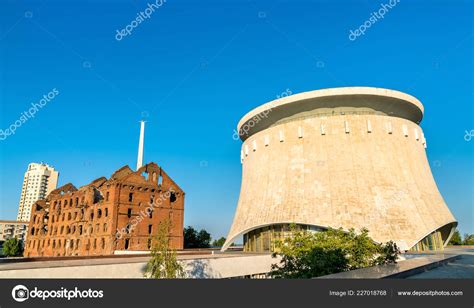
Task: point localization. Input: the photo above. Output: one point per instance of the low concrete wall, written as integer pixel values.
(401, 269)
(220, 266)
(229, 267)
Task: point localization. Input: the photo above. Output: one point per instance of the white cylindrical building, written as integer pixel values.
(339, 158)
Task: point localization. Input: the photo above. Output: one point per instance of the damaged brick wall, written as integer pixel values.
(119, 213)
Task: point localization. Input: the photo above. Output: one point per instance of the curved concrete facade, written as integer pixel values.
(343, 157)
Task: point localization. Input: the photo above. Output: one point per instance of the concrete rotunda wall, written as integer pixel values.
(345, 170)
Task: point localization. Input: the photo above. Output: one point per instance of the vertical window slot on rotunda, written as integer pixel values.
(300, 132)
(389, 127)
(405, 130)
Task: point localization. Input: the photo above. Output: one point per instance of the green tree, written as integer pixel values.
(468, 239)
(194, 239)
(312, 254)
(204, 239)
(218, 243)
(163, 262)
(456, 238)
(12, 248)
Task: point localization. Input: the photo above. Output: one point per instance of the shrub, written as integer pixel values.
(195, 239)
(468, 239)
(455, 239)
(12, 248)
(307, 254)
(163, 262)
(218, 243)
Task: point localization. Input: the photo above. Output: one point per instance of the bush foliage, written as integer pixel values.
(163, 262)
(12, 248)
(455, 239)
(468, 239)
(195, 239)
(312, 254)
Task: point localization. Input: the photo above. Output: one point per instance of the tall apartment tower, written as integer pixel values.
(39, 181)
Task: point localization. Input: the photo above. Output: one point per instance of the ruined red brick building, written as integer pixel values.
(121, 213)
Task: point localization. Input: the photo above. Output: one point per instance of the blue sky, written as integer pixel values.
(194, 68)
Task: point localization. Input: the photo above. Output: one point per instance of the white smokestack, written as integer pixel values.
(140, 145)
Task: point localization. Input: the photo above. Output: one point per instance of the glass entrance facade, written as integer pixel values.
(433, 241)
(263, 239)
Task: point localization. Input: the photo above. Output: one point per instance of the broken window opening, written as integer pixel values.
(172, 196)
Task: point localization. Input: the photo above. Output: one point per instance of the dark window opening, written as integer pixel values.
(130, 197)
(172, 197)
(127, 241)
(129, 213)
(150, 228)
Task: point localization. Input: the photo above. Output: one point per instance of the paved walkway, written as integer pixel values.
(420, 266)
(399, 270)
(460, 268)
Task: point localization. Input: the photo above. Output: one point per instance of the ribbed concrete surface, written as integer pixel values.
(346, 170)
